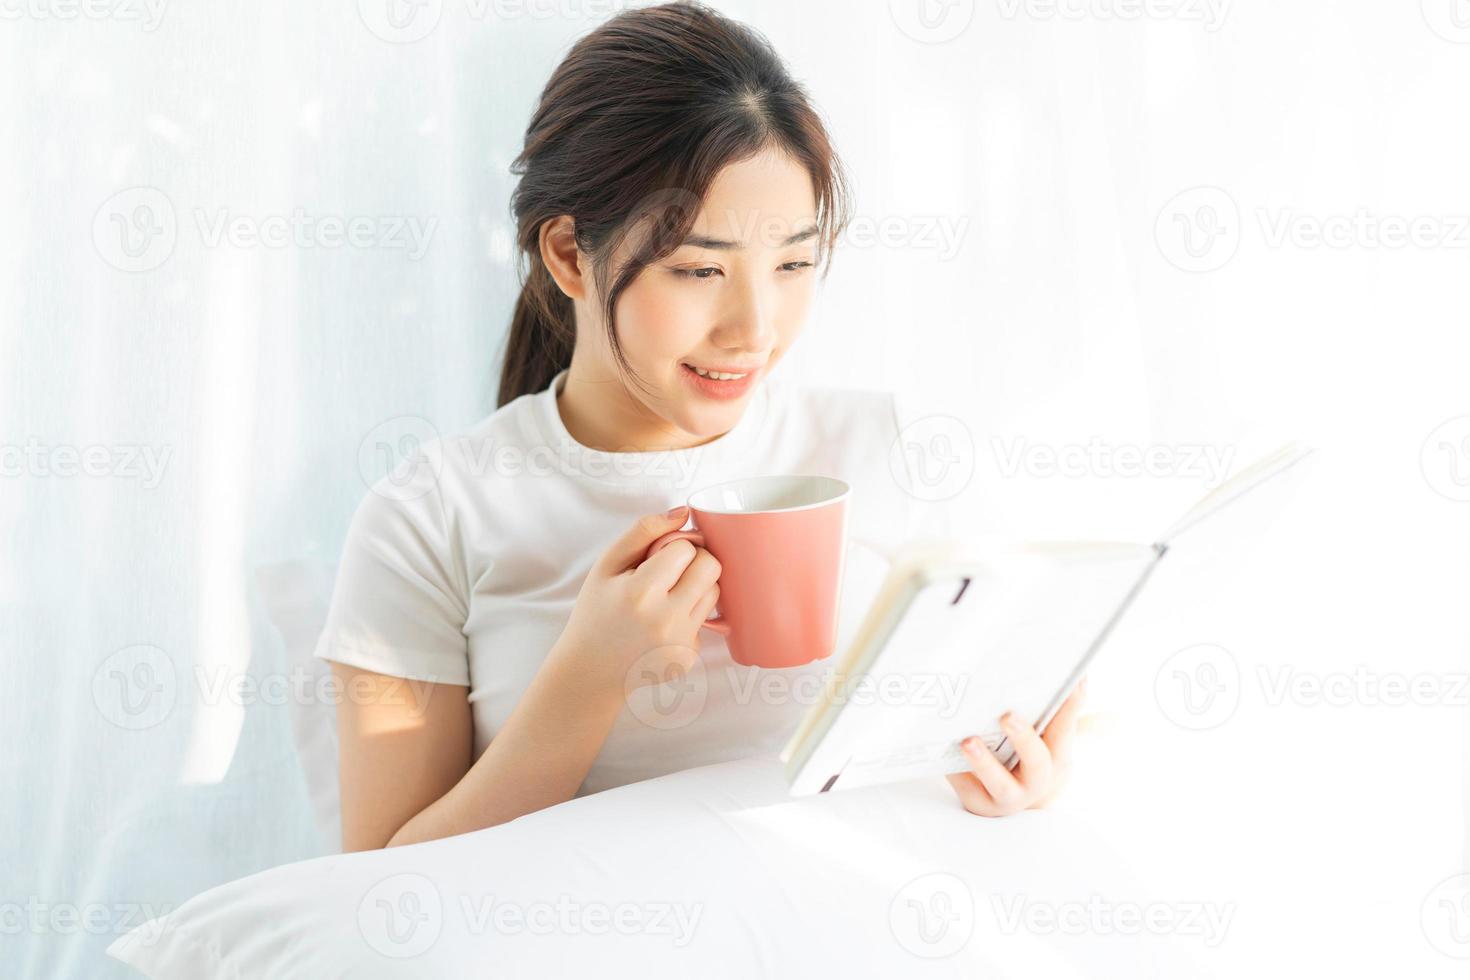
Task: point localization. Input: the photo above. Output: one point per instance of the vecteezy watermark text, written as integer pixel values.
(1201, 229)
(137, 230)
(1209, 13)
(1100, 916)
(1201, 686)
(127, 462)
(403, 458)
(407, 21)
(138, 687)
(1208, 463)
(148, 13)
(403, 916)
(408, 233)
(38, 917)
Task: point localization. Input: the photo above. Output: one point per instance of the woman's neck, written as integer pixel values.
(601, 413)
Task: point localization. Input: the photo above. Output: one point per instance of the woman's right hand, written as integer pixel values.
(636, 619)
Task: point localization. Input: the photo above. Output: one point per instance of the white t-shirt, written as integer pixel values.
(462, 566)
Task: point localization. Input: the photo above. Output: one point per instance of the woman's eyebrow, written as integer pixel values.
(720, 244)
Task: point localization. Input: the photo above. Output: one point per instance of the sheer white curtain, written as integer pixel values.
(243, 244)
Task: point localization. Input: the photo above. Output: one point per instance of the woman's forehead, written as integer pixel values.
(762, 201)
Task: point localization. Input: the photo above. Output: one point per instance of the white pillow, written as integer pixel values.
(296, 596)
(709, 872)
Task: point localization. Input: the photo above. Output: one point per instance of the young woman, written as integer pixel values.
(677, 196)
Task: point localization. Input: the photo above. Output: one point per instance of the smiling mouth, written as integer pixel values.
(717, 374)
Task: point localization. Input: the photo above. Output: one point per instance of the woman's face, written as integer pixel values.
(731, 299)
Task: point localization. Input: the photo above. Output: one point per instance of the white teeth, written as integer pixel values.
(717, 375)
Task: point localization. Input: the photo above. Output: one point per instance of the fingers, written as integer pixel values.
(1034, 768)
(701, 573)
(1001, 788)
(1063, 724)
(663, 570)
(706, 603)
(990, 790)
(629, 549)
(664, 540)
(973, 796)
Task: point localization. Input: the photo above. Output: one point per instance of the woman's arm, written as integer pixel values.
(406, 768)
(401, 745)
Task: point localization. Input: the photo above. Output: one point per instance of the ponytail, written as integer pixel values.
(542, 334)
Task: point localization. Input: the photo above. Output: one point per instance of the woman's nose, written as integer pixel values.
(750, 323)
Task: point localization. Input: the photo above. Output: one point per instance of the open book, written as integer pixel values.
(949, 643)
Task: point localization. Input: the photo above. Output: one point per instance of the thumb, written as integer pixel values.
(629, 549)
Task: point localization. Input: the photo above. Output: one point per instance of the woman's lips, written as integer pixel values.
(716, 388)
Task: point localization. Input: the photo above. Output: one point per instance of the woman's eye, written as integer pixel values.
(709, 271)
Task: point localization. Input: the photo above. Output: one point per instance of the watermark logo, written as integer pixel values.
(932, 21)
(666, 688)
(676, 921)
(1450, 19)
(1202, 686)
(1361, 687)
(407, 21)
(942, 692)
(136, 687)
(1210, 14)
(222, 684)
(1445, 459)
(1101, 916)
(148, 13)
(1445, 917)
(1209, 464)
(669, 686)
(942, 234)
(392, 461)
(933, 458)
(1363, 229)
(1198, 230)
(933, 916)
(136, 229)
(401, 916)
(404, 915)
(1198, 688)
(410, 234)
(41, 918)
(400, 21)
(146, 464)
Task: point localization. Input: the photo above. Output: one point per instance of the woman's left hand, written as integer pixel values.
(990, 790)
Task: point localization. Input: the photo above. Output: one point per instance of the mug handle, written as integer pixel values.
(714, 625)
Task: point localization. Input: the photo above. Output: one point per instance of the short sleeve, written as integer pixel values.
(398, 606)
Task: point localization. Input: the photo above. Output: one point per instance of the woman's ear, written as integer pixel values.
(562, 259)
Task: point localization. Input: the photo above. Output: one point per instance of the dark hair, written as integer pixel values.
(634, 124)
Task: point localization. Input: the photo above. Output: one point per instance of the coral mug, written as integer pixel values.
(780, 542)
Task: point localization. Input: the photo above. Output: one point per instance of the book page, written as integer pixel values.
(950, 669)
(1269, 469)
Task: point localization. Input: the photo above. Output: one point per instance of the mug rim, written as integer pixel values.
(841, 489)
